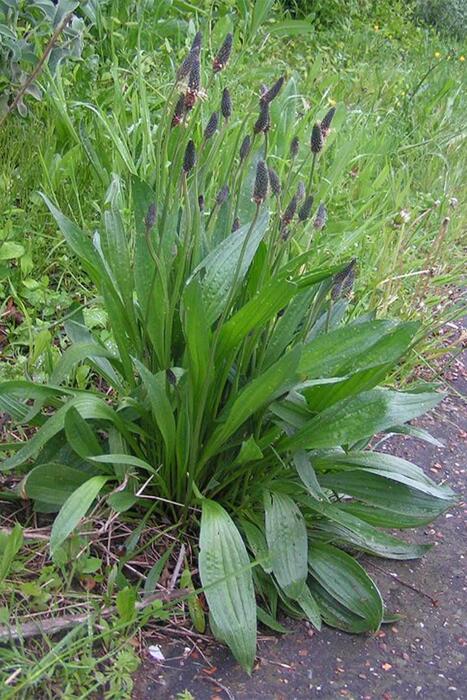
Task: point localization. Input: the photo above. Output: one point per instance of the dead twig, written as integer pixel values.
(178, 566)
(59, 624)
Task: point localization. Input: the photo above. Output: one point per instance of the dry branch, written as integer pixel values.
(60, 624)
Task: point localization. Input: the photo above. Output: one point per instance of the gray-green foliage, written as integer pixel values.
(25, 28)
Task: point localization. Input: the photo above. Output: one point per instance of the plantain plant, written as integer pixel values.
(238, 389)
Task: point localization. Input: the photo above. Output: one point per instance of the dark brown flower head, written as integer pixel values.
(260, 190)
(185, 68)
(197, 41)
(222, 195)
(179, 111)
(194, 84)
(316, 142)
(150, 218)
(201, 202)
(270, 94)
(321, 217)
(189, 159)
(290, 210)
(263, 122)
(223, 54)
(325, 125)
(235, 224)
(275, 182)
(343, 282)
(211, 126)
(305, 210)
(245, 148)
(194, 77)
(294, 144)
(226, 104)
(301, 191)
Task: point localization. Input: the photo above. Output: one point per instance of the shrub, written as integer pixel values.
(238, 381)
(26, 26)
(446, 16)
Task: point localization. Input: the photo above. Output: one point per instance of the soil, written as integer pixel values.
(421, 656)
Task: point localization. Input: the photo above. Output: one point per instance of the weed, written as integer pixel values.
(238, 380)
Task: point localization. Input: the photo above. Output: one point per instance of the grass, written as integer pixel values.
(397, 146)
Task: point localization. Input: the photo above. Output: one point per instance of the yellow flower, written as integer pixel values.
(437, 54)
(376, 28)
(332, 103)
(462, 58)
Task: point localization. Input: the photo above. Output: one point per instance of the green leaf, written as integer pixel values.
(360, 416)
(74, 509)
(195, 608)
(388, 466)
(121, 501)
(419, 508)
(125, 460)
(11, 544)
(346, 581)
(143, 197)
(126, 604)
(291, 27)
(287, 542)
(287, 325)
(258, 393)
(89, 406)
(310, 607)
(257, 543)
(75, 354)
(344, 350)
(115, 246)
(255, 313)
(155, 572)
(156, 387)
(416, 432)
(269, 621)
(10, 250)
(249, 451)
(53, 483)
(336, 615)
(197, 334)
(225, 573)
(351, 530)
(80, 435)
(307, 474)
(221, 265)
(76, 238)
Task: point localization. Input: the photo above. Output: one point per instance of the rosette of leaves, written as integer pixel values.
(25, 30)
(239, 380)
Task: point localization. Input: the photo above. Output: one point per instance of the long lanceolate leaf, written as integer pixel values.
(257, 394)
(287, 542)
(74, 509)
(347, 582)
(225, 573)
(89, 407)
(230, 259)
(359, 417)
